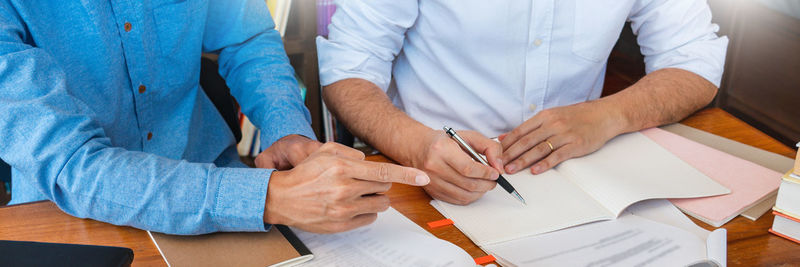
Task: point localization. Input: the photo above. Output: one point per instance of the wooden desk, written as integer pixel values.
(749, 244)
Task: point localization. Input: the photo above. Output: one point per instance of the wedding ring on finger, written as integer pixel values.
(550, 145)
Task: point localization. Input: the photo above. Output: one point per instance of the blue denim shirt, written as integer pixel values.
(101, 111)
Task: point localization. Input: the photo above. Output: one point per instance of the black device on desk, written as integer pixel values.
(25, 253)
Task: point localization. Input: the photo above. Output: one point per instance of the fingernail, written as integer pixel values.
(495, 175)
(422, 179)
(511, 168)
(536, 169)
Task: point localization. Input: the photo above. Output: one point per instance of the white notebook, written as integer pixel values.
(598, 186)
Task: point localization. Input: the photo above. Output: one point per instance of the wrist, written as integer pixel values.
(414, 152)
(614, 118)
(272, 205)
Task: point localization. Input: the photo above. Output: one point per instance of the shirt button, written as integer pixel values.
(532, 107)
(149, 136)
(537, 42)
(142, 88)
(128, 26)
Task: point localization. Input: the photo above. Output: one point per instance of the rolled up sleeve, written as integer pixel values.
(365, 37)
(679, 34)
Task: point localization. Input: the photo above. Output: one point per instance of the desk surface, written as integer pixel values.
(749, 243)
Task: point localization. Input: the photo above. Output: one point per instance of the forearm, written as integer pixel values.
(369, 114)
(255, 67)
(661, 97)
(51, 138)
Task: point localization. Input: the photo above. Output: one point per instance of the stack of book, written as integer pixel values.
(787, 206)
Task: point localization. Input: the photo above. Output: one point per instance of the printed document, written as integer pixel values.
(392, 240)
(659, 236)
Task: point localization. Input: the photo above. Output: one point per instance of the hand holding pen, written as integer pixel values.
(477, 157)
(455, 177)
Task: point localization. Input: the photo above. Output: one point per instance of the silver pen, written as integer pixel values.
(500, 180)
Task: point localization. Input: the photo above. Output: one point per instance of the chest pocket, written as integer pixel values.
(180, 27)
(597, 25)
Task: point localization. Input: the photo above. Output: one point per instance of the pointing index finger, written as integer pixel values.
(389, 173)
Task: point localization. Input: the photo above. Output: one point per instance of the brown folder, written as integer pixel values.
(278, 247)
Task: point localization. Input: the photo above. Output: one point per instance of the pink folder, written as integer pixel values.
(749, 182)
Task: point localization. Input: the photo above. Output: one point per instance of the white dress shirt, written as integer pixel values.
(490, 65)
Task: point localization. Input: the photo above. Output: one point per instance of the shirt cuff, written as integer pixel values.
(240, 199)
(289, 124)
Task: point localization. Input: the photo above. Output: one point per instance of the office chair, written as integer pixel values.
(219, 93)
(5, 182)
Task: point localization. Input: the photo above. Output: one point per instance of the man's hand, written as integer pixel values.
(573, 131)
(287, 152)
(334, 190)
(455, 176)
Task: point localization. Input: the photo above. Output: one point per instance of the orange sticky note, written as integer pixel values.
(440, 223)
(484, 260)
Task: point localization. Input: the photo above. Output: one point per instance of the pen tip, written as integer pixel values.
(519, 197)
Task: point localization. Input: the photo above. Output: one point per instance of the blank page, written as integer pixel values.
(553, 203)
(631, 168)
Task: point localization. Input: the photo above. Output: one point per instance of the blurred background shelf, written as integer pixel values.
(299, 42)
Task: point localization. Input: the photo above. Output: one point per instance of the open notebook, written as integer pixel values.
(598, 186)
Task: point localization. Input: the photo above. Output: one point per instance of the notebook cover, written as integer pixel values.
(25, 253)
(749, 183)
(773, 161)
(277, 246)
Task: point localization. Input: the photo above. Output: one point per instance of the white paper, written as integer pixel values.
(717, 247)
(663, 211)
(631, 168)
(654, 232)
(627, 241)
(392, 240)
(598, 186)
(553, 203)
